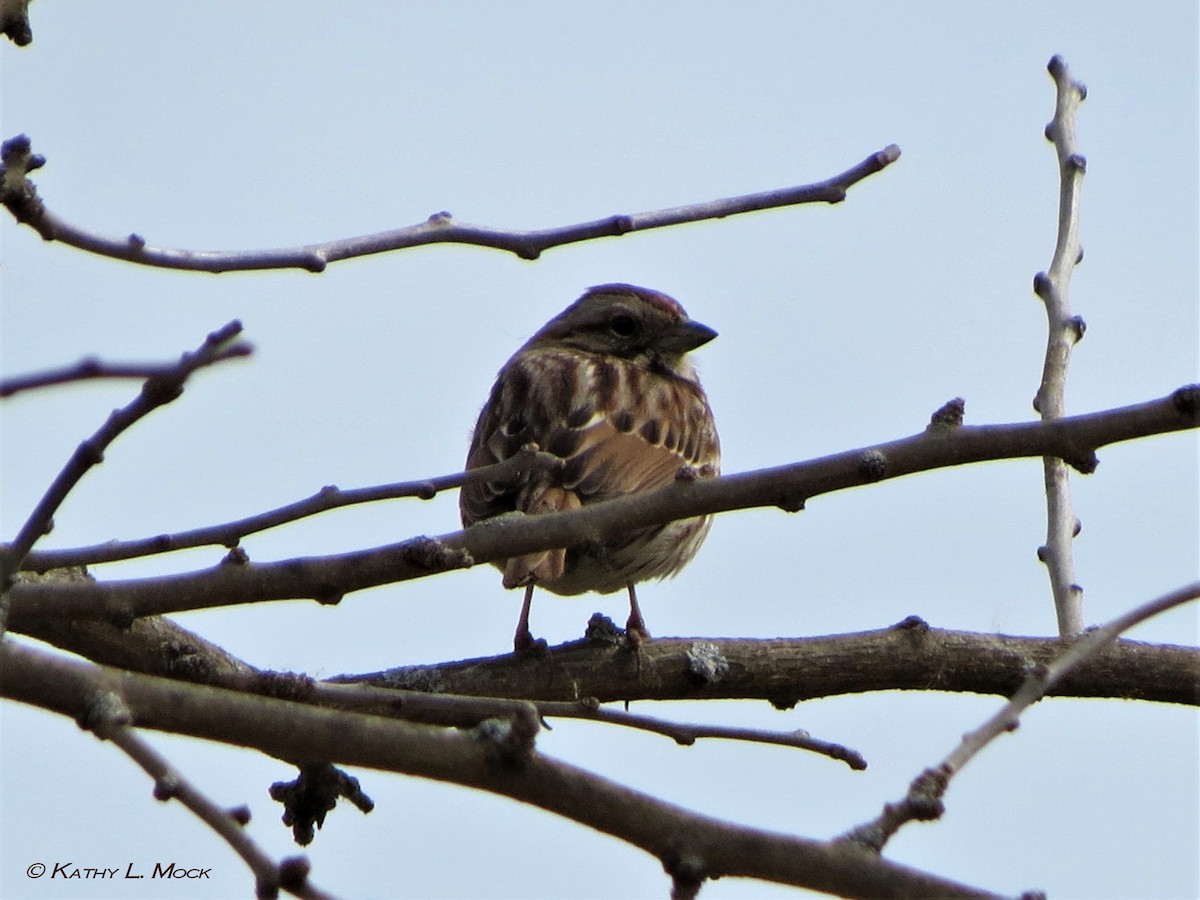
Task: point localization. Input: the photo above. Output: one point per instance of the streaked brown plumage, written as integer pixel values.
(607, 386)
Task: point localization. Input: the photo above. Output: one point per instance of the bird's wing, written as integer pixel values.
(615, 438)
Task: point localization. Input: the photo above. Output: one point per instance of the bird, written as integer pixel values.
(608, 387)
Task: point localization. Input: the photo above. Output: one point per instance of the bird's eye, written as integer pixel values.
(623, 325)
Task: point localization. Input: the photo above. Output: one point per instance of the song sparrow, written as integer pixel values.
(607, 386)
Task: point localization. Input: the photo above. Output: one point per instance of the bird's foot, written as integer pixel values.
(525, 644)
(636, 633)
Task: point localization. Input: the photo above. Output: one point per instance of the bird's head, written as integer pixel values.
(633, 323)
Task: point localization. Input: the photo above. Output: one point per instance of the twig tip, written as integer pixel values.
(293, 873)
(1187, 399)
(226, 332)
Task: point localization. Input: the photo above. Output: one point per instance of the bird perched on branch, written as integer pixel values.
(607, 386)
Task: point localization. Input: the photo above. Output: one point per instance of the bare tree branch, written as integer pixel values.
(155, 392)
(785, 671)
(91, 368)
(20, 196)
(329, 497)
(923, 802)
(328, 578)
(686, 735)
(579, 676)
(493, 757)
(1042, 680)
(153, 645)
(1064, 330)
(109, 719)
(467, 711)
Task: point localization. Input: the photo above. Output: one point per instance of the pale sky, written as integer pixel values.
(250, 125)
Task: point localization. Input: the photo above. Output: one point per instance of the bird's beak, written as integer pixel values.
(685, 336)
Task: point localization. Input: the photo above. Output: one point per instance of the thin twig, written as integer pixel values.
(1064, 331)
(326, 579)
(155, 392)
(687, 735)
(923, 802)
(228, 534)
(92, 368)
(110, 719)
(466, 711)
(20, 196)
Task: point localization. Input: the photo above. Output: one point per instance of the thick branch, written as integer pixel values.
(20, 196)
(1064, 330)
(691, 846)
(784, 671)
(153, 645)
(578, 677)
(328, 578)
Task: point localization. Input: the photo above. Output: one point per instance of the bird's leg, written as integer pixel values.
(525, 643)
(635, 628)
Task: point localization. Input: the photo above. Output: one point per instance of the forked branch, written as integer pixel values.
(228, 534)
(923, 802)
(156, 391)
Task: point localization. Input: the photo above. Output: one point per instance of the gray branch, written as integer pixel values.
(1063, 331)
(20, 197)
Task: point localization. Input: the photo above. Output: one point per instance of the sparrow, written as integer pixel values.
(607, 386)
